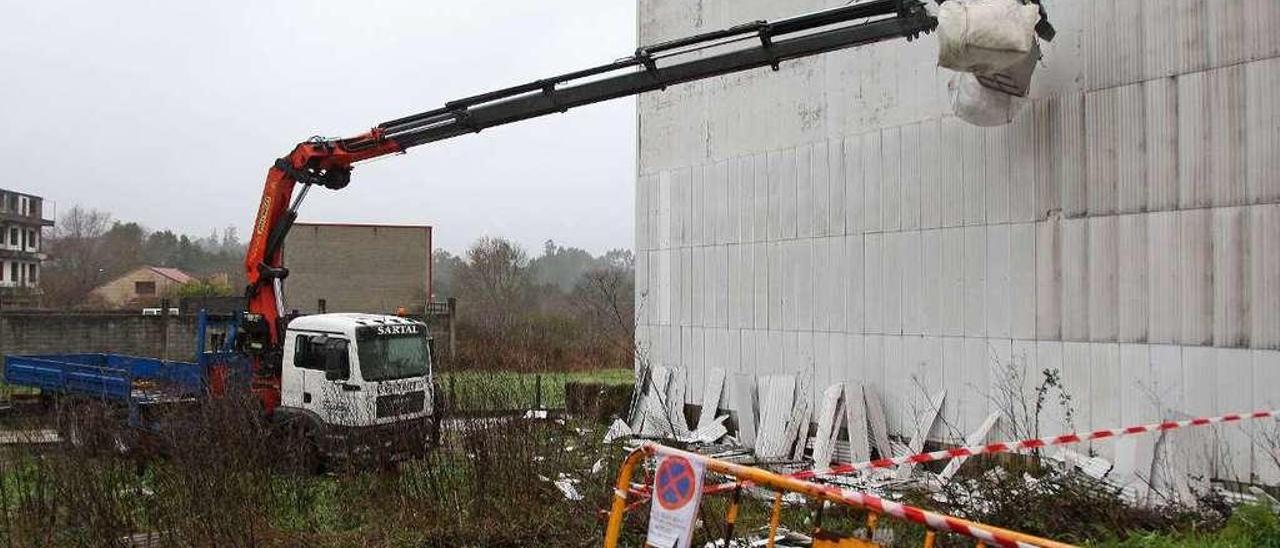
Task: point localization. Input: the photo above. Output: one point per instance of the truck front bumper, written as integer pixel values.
(381, 443)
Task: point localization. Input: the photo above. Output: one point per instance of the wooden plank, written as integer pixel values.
(855, 412)
(976, 437)
(879, 427)
(922, 431)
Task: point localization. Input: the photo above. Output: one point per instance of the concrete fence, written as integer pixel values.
(130, 333)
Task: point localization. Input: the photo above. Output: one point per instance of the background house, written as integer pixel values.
(21, 247)
(142, 286)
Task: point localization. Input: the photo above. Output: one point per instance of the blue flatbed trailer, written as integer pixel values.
(132, 381)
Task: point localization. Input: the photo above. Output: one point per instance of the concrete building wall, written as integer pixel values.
(124, 291)
(833, 219)
(358, 268)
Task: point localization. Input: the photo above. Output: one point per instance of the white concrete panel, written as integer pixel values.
(1199, 369)
(1227, 123)
(1102, 128)
(1195, 107)
(1021, 142)
(734, 199)
(1164, 295)
(1231, 276)
(953, 380)
(951, 172)
(952, 299)
(836, 183)
(820, 188)
(1140, 401)
(641, 212)
(854, 214)
(1022, 281)
(975, 373)
(790, 273)
(1005, 381)
(854, 359)
(974, 147)
(787, 195)
(1234, 394)
(721, 204)
(692, 182)
(891, 279)
(1044, 140)
(693, 353)
(666, 297)
(676, 179)
(1077, 379)
(805, 215)
(760, 198)
(1049, 289)
(1264, 277)
(1127, 56)
(930, 288)
(911, 289)
(1060, 403)
(1104, 392)
(1067, 153)
(975, 281)
(910, 162)
(854, 303)
(873, 292)
(1161, 140)
(891, 179)
(1075, 280)
(1131, 148)
(736, 296)
(1262, 132)
(929, 160)
(997, 166)
(775, 191)
(720, 254)
(776, 291)
(1103, 278)
(1131, 269)
(681, 286)
(803, 281)
(760, 285)
(872, 370)
(1167, 378)
(998, 299)
(1266, 379)
(889, 379)
(834, 295)
(1196, 276)
(872, 181)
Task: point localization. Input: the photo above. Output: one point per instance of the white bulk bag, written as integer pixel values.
(985, 36)
(980, 105)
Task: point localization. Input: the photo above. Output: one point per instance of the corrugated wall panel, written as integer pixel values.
(929, 159)
(1022, 167)
(975, 281)
(790, 274)
(774, 194)
(1075, 280)
(1067, 153)
(760, 285)
(735, 196)
(891, 279)
(997, 174)
(1104, 391)
(690, 183)
(1193, 31)
(1226, 135)
(1103, 278)
(721, 279)
(1131, 149)
(855, 222)
(777, 271)
(1159, 38)
(1194, 148)
(1228, 32)
(1234, 375)
(1262, 132)
(1262, 18)
(1196, 276)
(1266, 377)
(912, 294)
(993, 378)
(760, 197)
(872, 181)
(974, 147)
(1060, 407)
(953, 281)
(1127, 41)
(721, 204)
(1022, 280)
(803, 281)
(787, 195)
(836, 182)
(681, 286)
(998, 295)
(1102, 128)
(854, 308)
(1134, 285)
(910, 162)
(1164, 295)
(1077, 373)
(890, 374)
(953, 381)
(952, 162)
(820, 170)
(1049, 279)
(873, 293)
(1101, 43)
(1231, 277)
(1264, 277)
(1167, 377)
(1048, 194)
(1161, 141)
(891, 179)
(931, 281)
(805, 215)
(737, 293)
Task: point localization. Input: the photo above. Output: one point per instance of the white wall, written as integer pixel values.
(833, 219)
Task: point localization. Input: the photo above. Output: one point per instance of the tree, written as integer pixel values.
(78, 256)
(445, 267)
(494, 282)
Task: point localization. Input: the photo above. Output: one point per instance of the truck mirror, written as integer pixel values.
(337, 363)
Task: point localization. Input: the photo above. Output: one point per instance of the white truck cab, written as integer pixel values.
(357, 381)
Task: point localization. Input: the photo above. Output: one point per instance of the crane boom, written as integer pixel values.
(328, 162)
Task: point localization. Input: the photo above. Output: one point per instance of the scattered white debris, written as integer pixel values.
(566, 485)
(712, 394)
(535, 414)
(617, 430)
(597, 467)
(976, 437)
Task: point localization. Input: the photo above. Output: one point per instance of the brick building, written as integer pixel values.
(142, 286)
(21, 247)
(358, 267)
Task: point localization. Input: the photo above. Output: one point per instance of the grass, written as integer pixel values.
(506, 390)
(1249, 525)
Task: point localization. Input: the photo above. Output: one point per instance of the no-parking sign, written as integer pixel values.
(677, 492)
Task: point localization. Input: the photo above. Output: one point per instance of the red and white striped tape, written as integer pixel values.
(932, 520)
(1006, 447)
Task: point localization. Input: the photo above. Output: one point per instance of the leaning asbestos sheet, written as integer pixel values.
(930, 416)
(711, 397)
(744, 406)
(976, 437)
(855, 409)
(777, 395)
(879, 427)
(797, 425)
(828, 424)
(654, 421)
(675, 404)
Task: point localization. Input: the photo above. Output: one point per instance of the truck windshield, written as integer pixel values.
(389, 358)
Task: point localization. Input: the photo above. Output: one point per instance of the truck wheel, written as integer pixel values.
(299, 448)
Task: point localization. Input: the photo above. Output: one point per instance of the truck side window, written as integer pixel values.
(307, 354)
(337, 360)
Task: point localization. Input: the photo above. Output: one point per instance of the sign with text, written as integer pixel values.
(677, 492)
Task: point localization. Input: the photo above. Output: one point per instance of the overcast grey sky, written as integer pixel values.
(169, 113)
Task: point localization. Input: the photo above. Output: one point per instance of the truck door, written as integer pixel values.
(319, 373)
